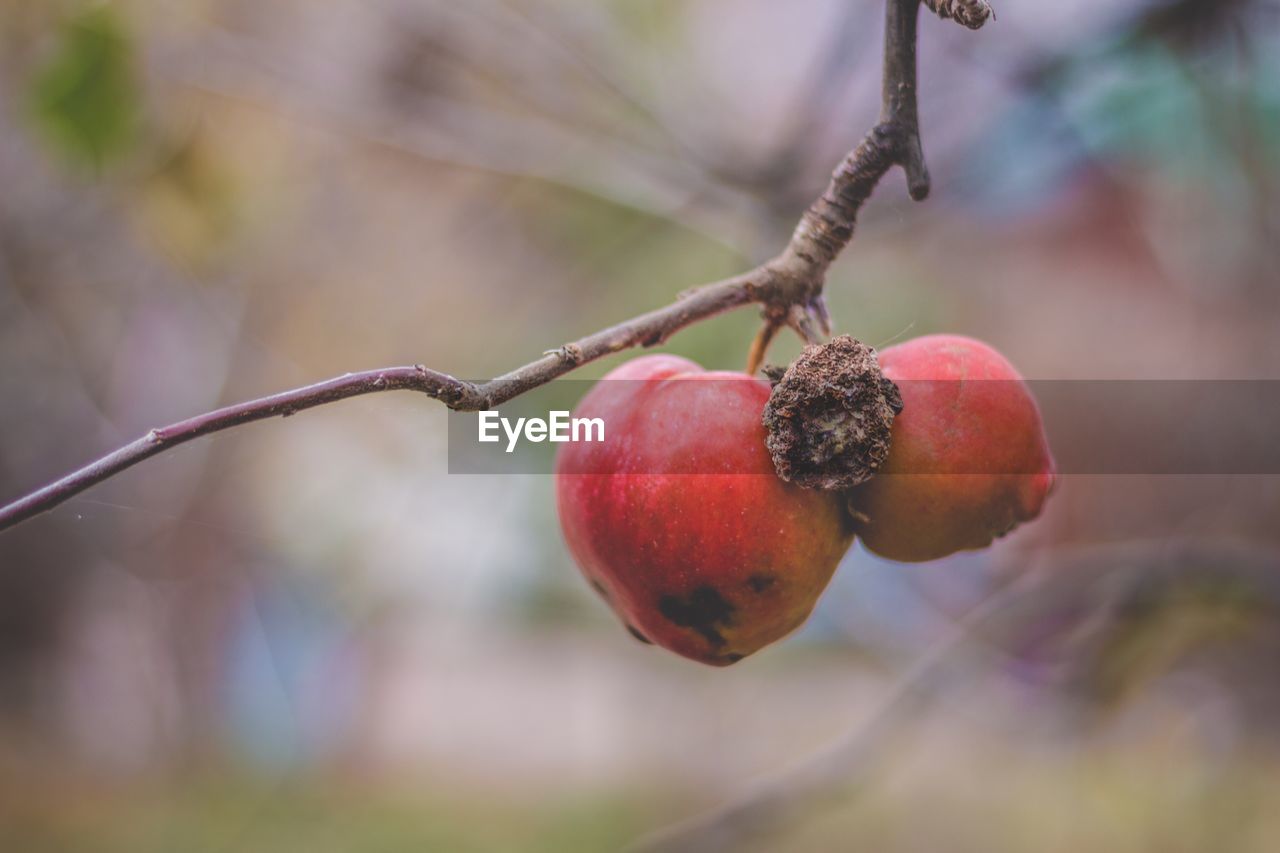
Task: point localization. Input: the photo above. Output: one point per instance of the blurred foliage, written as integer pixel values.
(86, 98)
(1145, 798)
(1150, 102)
(1186, 88)
(250, 816)
(191, 205)
(655, 20)
(1121, 802)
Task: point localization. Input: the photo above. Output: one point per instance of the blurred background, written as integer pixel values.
(305, 634)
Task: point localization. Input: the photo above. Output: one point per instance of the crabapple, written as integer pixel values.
(968, 459)
(679, 521)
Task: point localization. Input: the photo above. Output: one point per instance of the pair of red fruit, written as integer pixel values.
(714, 566)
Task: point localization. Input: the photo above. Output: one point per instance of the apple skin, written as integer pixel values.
(931, 498)
(712, 566)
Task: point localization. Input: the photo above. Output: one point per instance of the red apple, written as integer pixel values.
(679, 521)
(968, 458)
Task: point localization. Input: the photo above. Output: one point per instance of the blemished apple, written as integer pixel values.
(968, 458)
(679, 521)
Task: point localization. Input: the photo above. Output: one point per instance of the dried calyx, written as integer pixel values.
(829, 416)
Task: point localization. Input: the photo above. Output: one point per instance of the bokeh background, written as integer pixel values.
(305, 634)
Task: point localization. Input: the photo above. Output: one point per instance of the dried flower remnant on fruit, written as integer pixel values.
(830, 415)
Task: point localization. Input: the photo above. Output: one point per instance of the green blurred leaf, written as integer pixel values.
(85, 100)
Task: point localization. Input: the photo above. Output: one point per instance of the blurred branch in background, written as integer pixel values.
(464, 86)
(1100, 616)
(852, 764)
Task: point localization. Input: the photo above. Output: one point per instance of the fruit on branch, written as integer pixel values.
(968, 459)
(679, 521)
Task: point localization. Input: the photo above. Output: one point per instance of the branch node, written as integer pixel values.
(968, 13)
(798, 319)
(571, 354)
(653, 339)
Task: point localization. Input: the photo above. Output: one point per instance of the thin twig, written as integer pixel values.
(789, 286)
(458, 394)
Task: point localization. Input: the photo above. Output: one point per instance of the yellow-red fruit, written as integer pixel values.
(679, 521)
(968, 459)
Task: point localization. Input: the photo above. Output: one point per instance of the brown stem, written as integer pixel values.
(789, 286)
(760, 344)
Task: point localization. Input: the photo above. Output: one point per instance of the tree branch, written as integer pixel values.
(789, 287)
(458, 394)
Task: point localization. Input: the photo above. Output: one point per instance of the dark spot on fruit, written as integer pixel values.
(631, 629)
(704, 610)
(733, 658)
(760, 582)
(599, 587)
